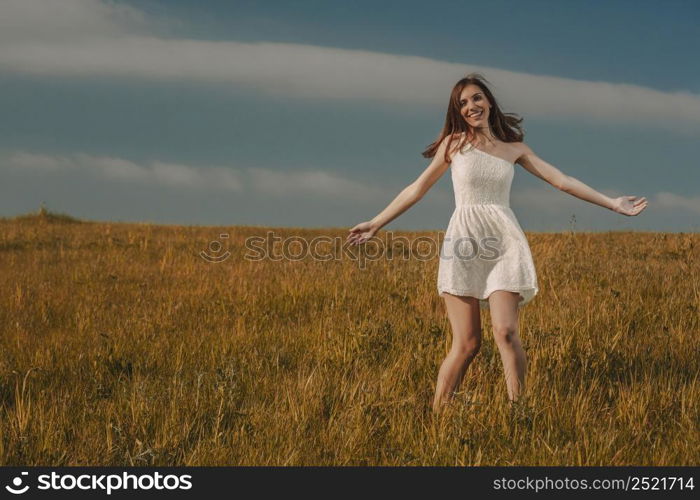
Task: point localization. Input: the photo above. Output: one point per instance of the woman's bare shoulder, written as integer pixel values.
(521, 149)
(454, 141)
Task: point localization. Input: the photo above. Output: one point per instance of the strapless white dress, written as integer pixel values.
(484, 249)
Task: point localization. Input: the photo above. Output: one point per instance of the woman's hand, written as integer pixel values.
(629, 205)
(361, 233)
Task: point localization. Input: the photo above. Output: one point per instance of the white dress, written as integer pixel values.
(484, 249)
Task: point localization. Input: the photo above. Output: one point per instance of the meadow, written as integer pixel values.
(121, 345)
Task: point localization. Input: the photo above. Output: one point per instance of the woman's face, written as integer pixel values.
(474, 106)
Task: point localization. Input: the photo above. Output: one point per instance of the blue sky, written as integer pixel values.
(314, 114)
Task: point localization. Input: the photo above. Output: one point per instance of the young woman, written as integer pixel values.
(485, 258)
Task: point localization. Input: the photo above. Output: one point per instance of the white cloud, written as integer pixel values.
(313, 182)
(268, 182)
(158, 173)
(52, 41)
(31, 161)
(675, 202)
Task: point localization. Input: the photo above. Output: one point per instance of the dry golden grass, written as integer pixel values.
(120, 345)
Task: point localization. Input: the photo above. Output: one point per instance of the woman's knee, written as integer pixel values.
(467, 349)
(505, 333)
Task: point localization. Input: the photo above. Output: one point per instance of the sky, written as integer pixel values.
(314, 114)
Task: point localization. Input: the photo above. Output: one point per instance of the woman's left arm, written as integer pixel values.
(625, 205)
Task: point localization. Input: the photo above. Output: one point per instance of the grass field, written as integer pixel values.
(121, 345)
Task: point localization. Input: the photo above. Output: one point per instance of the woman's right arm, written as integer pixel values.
(405, 199)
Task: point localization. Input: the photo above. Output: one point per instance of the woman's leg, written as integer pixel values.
(504, 318)
(465, 320)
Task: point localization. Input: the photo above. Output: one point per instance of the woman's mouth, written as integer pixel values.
(476, 115)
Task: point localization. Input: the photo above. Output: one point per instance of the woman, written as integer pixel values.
(485, 258)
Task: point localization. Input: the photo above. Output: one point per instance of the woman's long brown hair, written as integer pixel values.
(505, 126)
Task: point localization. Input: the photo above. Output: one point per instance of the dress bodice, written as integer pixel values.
(480, 178)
